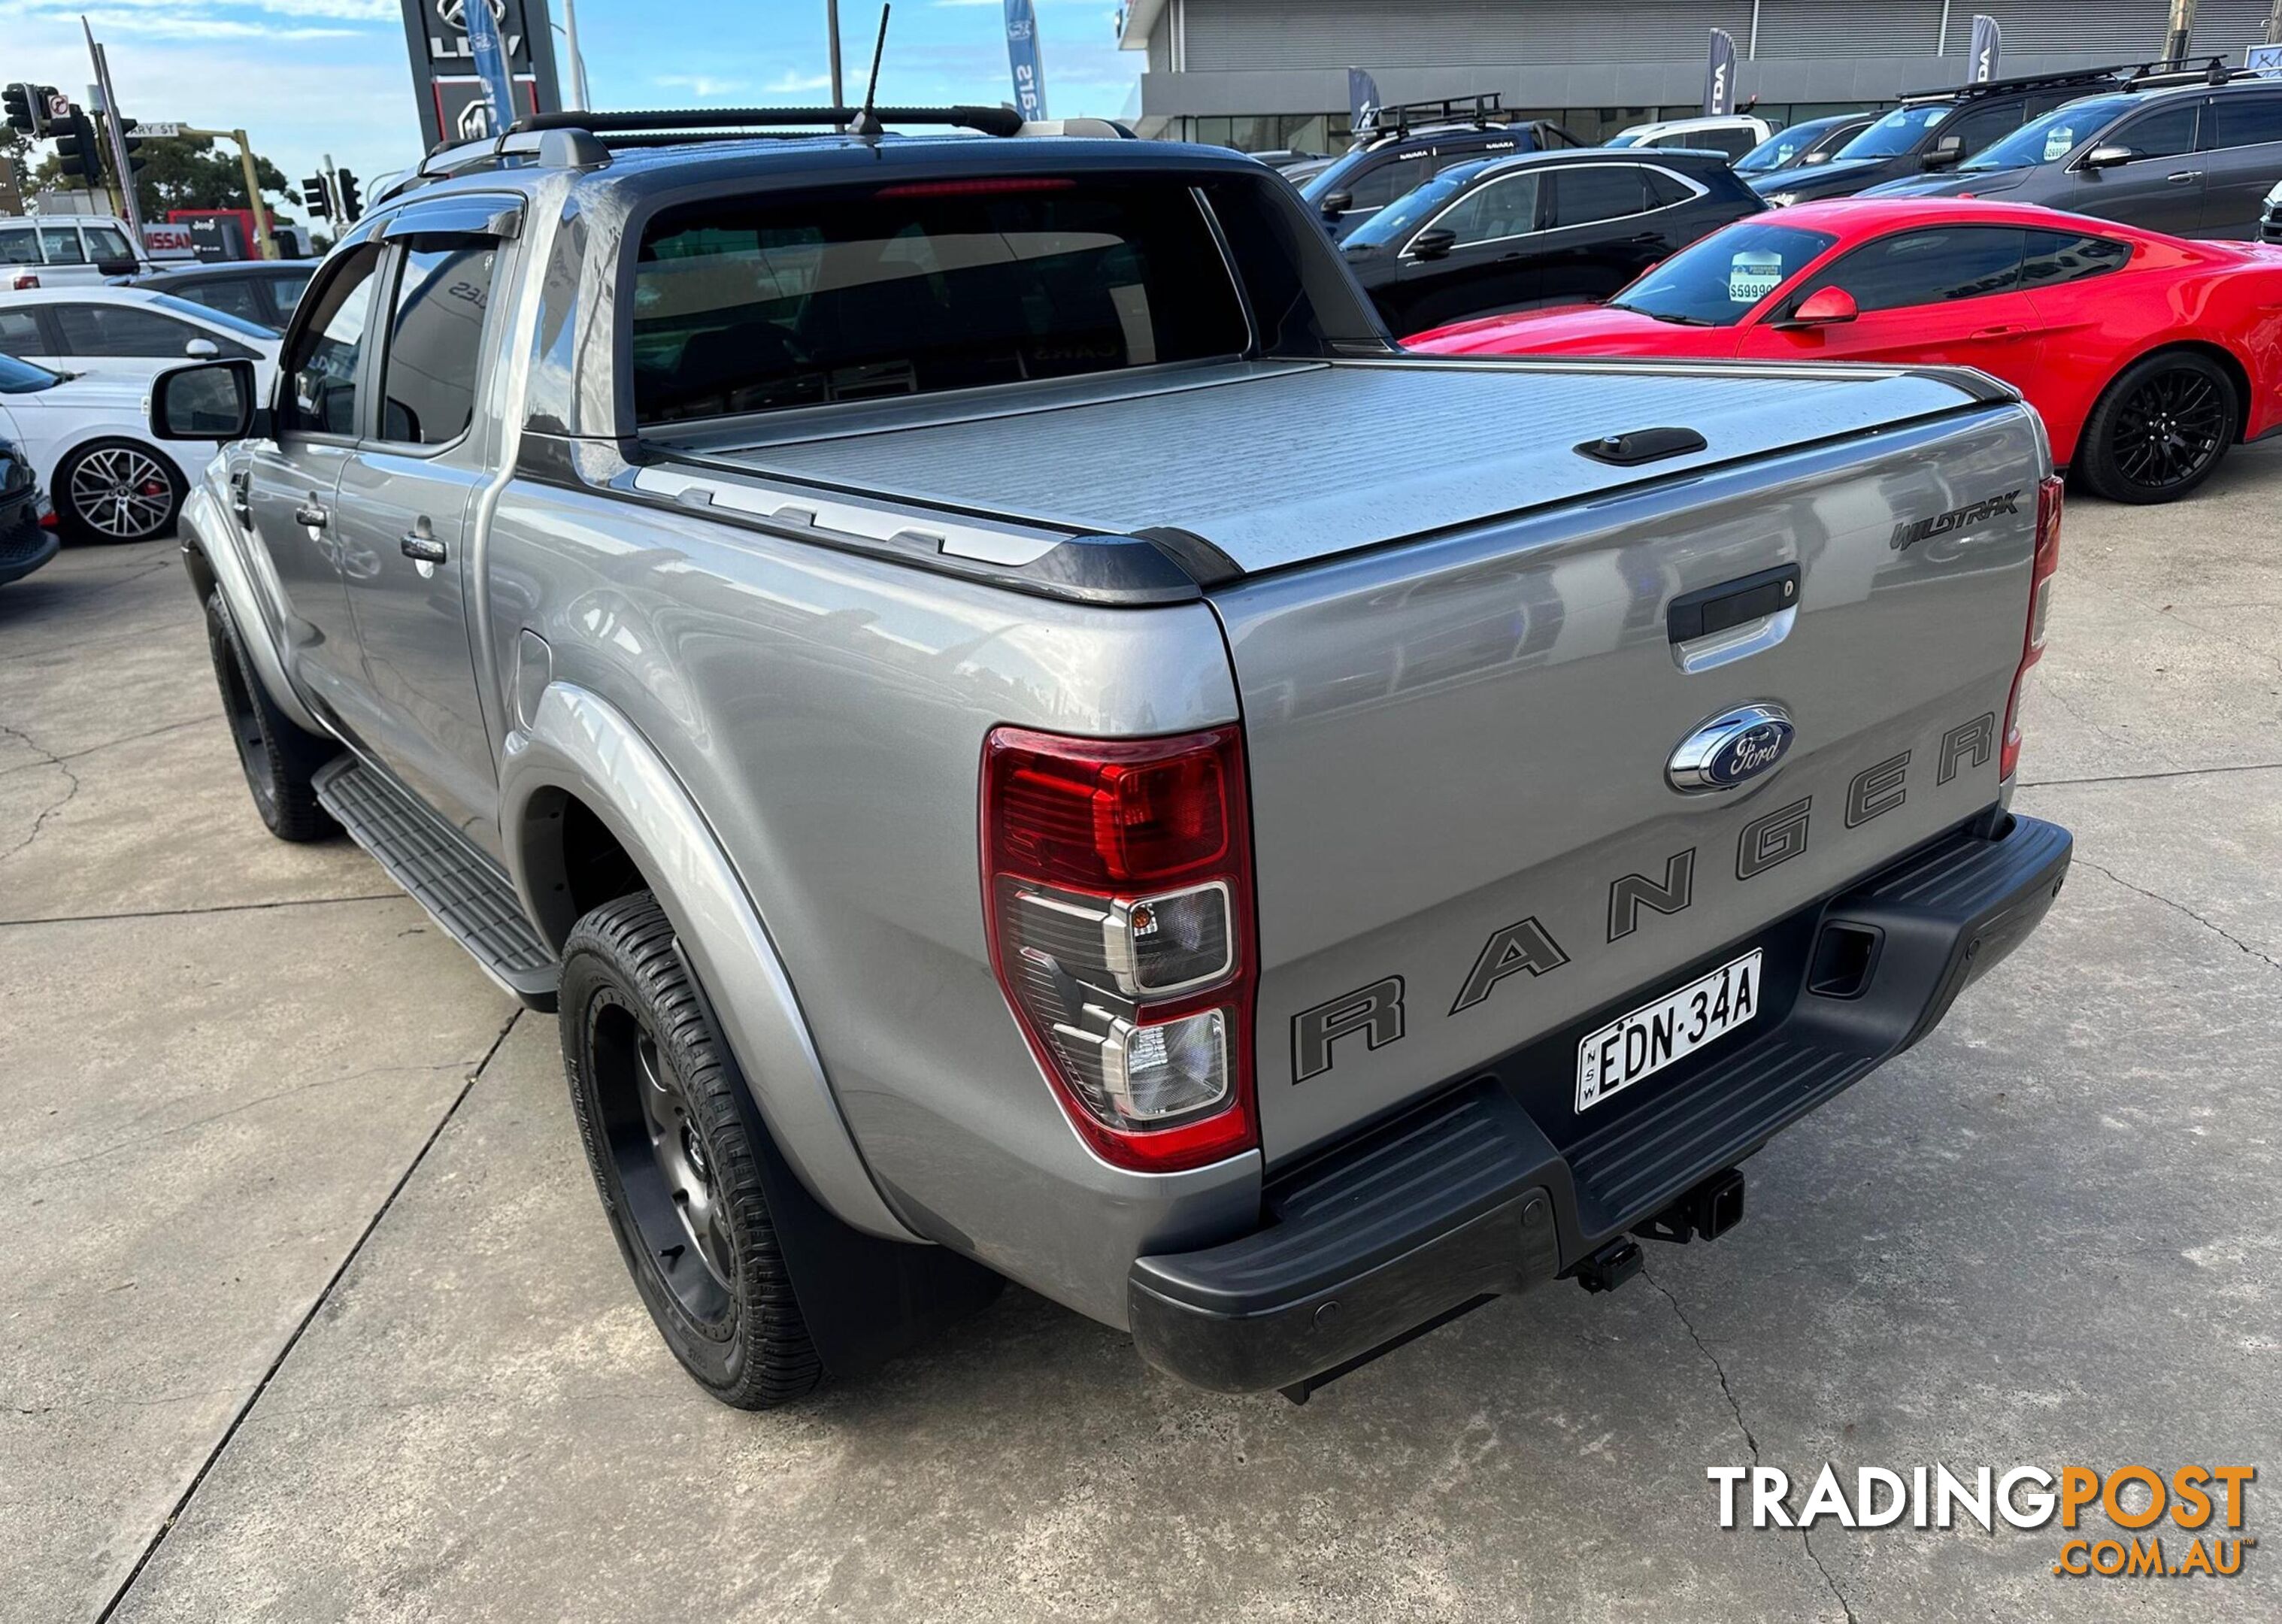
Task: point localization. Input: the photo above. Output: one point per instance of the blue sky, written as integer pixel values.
(307, 77)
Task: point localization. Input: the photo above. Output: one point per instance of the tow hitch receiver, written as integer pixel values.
(1708, 1211)
(1610, 1267)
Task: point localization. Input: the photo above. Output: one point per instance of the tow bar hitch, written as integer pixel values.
(1611, 1266)
(1708, 1211)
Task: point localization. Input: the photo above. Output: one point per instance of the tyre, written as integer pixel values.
(279, 756)
(117, 490)
(674, 1153)
(2160, 428)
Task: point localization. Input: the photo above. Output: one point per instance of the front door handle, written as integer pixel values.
(1996, 332)
(2184, 176)
(420, 545)
(310, 514)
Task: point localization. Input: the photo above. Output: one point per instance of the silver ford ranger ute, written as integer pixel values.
(1024, 738)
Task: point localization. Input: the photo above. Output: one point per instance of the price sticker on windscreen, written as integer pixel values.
(2058, 140)
(1751, 277)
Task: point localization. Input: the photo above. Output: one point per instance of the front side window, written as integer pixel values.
(61, 244)
(1981, 127)
(1377, 187)
(910, 288)
(1929, 267)
(1715, 282)
(2166, 133)
(107, 243)
(1593, 192)
(121, 330)
(237, 297)
(321, 368)
(435, 340)
(1504, 207)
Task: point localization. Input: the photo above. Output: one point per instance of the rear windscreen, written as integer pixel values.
(744, 305)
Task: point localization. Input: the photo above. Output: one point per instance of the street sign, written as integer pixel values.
(444, 62)
(164, 130)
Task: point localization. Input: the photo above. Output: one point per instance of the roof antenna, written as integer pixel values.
(867, 122)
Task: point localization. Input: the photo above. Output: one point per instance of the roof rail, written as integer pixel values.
(2177, 72)
(603, 126)
(2032, 81)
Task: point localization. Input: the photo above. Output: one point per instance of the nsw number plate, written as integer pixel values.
(1653, 1036)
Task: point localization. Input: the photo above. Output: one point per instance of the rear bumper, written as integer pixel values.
(1468, 1196)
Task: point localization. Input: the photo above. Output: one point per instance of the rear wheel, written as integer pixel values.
(673, 1153)
(2160, 428)
(279, 757)
(115, 490)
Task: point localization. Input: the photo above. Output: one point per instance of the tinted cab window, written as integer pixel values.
(321, 370)
(428, 384)
(128, 331)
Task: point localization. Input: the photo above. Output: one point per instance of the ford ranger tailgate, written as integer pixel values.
(1465, 752)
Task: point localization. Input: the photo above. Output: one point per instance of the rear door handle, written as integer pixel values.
(310, 514)
(420, 545)
(1748, 597)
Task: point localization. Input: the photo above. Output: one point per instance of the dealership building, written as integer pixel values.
(1258, 75)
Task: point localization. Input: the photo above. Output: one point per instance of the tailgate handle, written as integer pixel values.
(1714, 609)
(1641, 446)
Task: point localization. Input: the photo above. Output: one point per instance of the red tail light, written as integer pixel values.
(2040, 602)
(24, 282)
(1117, 889)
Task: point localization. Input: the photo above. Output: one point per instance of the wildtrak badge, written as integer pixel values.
(1957, 518)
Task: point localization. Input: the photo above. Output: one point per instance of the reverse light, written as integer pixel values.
(2049, 494)
(1117, 888)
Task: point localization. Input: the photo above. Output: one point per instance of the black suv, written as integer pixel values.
(1411, 144)
(1539, 228)
(1935, 130)
(261, 291)
(2190, 153)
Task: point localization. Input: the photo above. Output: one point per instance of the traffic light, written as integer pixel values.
(351, 195)
(78, 153)
(313, 197)
(133, 142)
(18, 100)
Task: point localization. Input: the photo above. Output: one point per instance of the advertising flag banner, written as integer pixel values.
(490, 52)
(1988, 44)
(1720, 75)
(1362, 99)
(1022, 57)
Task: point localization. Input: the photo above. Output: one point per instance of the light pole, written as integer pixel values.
(2180, 40)
(832, 37)
(575, 93)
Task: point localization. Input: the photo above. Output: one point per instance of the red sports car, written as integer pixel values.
(2147, 356)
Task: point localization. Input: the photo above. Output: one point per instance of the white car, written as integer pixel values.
(62, 251)
(88, 440)
(126, 332)
(1733, 134)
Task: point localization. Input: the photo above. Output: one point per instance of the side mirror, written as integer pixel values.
(1433, 244)
(1947, 151)
(211, 401)
(2106, 156)
(201, 349)
(1823, 307)
(1336, 203)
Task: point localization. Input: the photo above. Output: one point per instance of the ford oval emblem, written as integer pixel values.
(1732, 749)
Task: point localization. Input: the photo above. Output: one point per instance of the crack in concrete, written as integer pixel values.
(82, 753)
(2134, 778)
(2218, 930)
(219, 908)
(1805, 1535)
(167, 1524)
(48, 758)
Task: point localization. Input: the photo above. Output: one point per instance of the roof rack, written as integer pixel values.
(1397, 118)
(2157, 75)
(2033, 81)
(702, 121)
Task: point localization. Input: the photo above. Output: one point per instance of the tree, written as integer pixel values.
(189, 172)
(15, 157)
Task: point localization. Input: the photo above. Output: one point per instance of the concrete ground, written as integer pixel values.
(308, 1309)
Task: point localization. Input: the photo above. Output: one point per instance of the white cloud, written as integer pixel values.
(793, 83)
(702, 86)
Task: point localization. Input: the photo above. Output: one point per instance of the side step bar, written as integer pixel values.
(468, 893)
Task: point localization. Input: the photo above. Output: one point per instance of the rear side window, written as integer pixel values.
(427, 385)
(1592, 192)
(20, 334)
(62, 244)
(2246, 120)
(749, 306)
(121, 330)
(2056, 256)
(238, 297)
(1928, 267)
